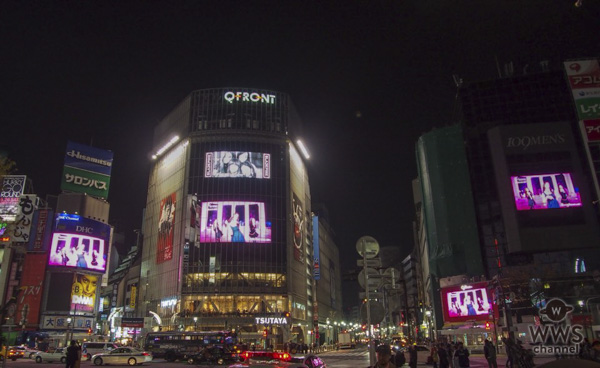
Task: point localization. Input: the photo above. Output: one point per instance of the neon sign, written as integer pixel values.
(249, 97)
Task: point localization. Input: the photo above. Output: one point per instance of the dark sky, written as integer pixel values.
(105, 72)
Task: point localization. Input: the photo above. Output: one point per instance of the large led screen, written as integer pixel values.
(83, 293)
(540, 192)
(80, 243)
(234, 222)
(234, 164)
(467, 302)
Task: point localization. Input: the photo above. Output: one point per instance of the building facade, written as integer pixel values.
(227, 228)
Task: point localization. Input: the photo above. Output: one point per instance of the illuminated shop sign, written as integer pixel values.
(271, 320)
(11, 191)
(249, 97)
(234, 164)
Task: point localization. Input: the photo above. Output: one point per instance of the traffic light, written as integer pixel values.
(285, 314)
(89, 331)
(364, 327)
(487, 325)
(265, 333)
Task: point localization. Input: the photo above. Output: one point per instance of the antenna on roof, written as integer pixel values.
(457, 80)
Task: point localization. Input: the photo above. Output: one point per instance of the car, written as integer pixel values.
(27, 351)
(12, 354)
(16, 351)
(51, 355)
(88, 349)
(268, 359)
(122, 355)
(218, 355)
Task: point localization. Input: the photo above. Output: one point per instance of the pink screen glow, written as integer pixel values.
(469, 302)
(79, 251)
(234, 222)
(546, 191)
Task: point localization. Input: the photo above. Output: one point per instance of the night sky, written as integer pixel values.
(367, 78)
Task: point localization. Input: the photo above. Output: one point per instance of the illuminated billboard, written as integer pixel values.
(468, 302)
(539, 192)
(166, 227)
(87, 170)
(11, 191)
(234, 164)
(83, 293)
(234, 222)
(79, 242)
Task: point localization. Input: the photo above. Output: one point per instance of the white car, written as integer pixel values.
(52, 355)
(28, 352)
(122, 355)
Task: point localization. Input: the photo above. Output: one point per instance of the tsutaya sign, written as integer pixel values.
(249, 97)
(271, 320)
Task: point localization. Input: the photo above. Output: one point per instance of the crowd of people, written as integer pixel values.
(446, 355)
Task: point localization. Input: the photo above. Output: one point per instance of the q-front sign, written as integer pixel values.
(271, 320)
(230, 96)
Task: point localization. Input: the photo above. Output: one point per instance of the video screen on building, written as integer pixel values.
(467, 302)
(236, 164)
(546, 191)
(234, 222)
(79, 243)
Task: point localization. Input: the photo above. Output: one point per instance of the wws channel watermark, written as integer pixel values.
(556, 338)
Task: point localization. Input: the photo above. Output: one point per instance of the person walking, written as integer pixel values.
(443, 355)
(489, 350)
(384, 357)
(399, 359)
(412, 356)
(73, 354)
(462, 356)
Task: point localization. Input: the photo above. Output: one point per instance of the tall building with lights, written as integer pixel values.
(227, 228)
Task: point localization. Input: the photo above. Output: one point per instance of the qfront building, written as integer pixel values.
(227, 228)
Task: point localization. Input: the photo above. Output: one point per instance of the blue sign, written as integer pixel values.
(316, 255)
(88, 158)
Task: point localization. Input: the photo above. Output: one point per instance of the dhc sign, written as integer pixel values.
(249, 97)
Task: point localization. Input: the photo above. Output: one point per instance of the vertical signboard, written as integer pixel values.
(316, 251)
(41, 230)
(166, 227)
(11, 191)
(20, 230)
(584, 80)
(30, 297)
(298, 235)
(132, 296)
(87, 170)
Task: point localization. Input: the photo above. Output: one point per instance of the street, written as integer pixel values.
(350, 358)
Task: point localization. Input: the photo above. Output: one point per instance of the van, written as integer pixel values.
(90, 348)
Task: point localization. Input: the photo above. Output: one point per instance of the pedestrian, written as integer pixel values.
(509, 352)
(73, 354)
(399, 359)
(384, 357)
(463, 356)
(454, 356)
(443, 356)
(434, 356)
(412, 356)
(489, 350)
(595, 351)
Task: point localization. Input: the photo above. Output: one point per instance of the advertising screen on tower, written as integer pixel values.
(79, 242)
(83, 293)
(166, 227)
(87, 170)
(467, 302)
(234, 222)
(234, 164)
(545, 191)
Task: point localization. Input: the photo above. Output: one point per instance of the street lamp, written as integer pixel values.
(69, 320)
(195, 323)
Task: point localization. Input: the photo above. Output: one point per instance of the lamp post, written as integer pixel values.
(195, 323)
(69, 320)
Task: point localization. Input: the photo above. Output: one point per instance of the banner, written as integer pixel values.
(42, 230)
(87, 170)
(298, 229)
(166, 227)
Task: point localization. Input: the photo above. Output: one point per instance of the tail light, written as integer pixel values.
(282, 356)
(145, 353)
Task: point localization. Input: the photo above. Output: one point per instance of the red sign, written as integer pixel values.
(592, 129)
(581, 319)
(166, 228)
(30, 296)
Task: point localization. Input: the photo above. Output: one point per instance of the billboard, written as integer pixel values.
(30, 297)
(472, 302)
(545, 191)
(592, 129)
(87, 170)
(20, 230)
(42, 230)
(79, 242)
(12, 189)
(236, 164)
(234, 222)
(166, 228)
(298, 232)
(83, 293)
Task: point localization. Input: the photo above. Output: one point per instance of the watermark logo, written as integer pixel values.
(556, 336)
